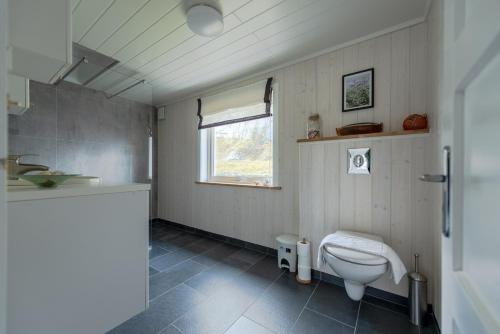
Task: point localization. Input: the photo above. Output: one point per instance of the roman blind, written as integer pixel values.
(236, 105)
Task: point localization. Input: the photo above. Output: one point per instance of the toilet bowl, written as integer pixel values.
(357, 269)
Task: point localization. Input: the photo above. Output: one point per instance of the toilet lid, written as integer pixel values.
(356, 256)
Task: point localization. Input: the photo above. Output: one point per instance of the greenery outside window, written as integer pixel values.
(242, 151)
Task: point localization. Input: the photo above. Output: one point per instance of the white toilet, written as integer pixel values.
(356, 268)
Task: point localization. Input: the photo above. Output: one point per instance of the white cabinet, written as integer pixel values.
(40, 38)
(77, 258)
(18, 93)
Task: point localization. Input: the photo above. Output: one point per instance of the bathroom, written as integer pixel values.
(248, 166)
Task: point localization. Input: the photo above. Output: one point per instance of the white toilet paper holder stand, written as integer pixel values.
(304, 262)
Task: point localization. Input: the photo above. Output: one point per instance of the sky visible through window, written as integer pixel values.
(244, 150)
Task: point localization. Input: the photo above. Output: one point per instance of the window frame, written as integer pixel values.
(206, 151)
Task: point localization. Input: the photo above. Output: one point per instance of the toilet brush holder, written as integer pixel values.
(417, 295)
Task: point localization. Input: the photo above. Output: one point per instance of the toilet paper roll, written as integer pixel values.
(304, 253)
(304, 274)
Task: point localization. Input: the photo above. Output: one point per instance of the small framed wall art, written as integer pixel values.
(358, 90)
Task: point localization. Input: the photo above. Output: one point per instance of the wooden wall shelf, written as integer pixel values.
(376, 135)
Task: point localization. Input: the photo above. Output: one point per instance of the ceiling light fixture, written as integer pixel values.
(205, 20)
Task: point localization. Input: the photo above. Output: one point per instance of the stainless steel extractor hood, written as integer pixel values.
(87, 66)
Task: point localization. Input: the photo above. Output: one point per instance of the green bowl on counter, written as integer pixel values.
(47, 181)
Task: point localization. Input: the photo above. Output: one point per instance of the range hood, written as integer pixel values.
(87, 66)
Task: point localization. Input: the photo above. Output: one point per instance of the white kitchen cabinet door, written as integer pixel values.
(40, 38)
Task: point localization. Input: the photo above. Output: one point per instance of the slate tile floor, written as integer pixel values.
(200, 285)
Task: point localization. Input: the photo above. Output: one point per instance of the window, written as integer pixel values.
(239, 148)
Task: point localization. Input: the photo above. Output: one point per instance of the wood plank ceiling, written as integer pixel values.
(151, 39)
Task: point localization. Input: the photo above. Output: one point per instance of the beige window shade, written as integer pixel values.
(235, 105)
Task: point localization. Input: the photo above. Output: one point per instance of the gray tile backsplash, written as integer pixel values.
(79, 130)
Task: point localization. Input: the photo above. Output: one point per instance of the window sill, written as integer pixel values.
(242, 185)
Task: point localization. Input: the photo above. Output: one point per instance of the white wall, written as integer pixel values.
(311, 86)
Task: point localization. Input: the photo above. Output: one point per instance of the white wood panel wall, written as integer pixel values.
(378, 204)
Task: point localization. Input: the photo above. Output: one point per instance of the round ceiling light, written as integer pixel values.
(205, 20)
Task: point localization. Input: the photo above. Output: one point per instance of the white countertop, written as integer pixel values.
(16, 194)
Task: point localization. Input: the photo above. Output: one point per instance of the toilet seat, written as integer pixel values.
(353, 256)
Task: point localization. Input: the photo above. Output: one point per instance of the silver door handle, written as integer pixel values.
(433, 178)
(444, 179)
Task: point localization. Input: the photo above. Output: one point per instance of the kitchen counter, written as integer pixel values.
(23, 193)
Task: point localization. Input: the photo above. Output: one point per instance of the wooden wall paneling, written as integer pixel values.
(190, 162)
(363, 195)
(401, 171)
(350, 65)
(347, 190)
(422, 225)
(331, 189)
(400, 77)
(331, 196)
(381, 189)
(418, 69)
(305, 191)
(317, 191)
(323, 94)
(366, 60)
(336, 69)
(382, 64)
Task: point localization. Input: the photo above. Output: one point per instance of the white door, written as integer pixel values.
(471, 254)
(3, 153)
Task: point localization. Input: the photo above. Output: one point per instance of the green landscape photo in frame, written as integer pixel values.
(358, 90)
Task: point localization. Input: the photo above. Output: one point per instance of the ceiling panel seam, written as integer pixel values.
(122, 24)
(98, 18)
(139, 35)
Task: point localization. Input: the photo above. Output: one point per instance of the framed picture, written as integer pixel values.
(358, 90)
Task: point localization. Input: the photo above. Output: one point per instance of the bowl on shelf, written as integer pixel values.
(360, 128)
(46, 180)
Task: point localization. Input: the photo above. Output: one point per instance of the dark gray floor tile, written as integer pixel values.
(152, 271)
(166, 280)
(333, 301)
(157, 234)
(195, 248)
(216, 255)
(164, 262)
(247, 255)
(259, 277)
(164, 244)
(210, 280)
(314, 323)
(157, 251)
(208, 243)
(246, 326)
(183, 240)
(279, 307)
(373, 319)
(170, 330)
(215, 315)
(161, 312)
(385, 304)
(172, 234)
